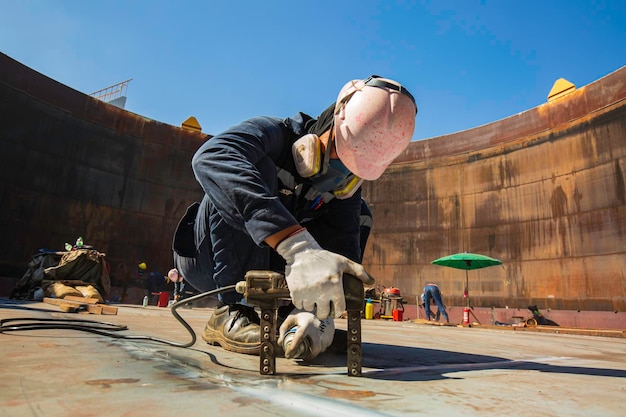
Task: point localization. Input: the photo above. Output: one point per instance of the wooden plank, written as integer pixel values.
(85, 300)
(71, 306)
(109, 310)
(55, 301)
(94, 309)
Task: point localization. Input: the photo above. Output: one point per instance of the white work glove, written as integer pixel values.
(315, 276)
(319, 332)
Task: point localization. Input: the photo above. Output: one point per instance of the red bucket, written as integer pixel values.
(397, 315)
(164, 298)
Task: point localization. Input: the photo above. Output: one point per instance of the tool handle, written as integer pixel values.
(354, 292)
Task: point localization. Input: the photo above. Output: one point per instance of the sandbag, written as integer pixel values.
(85, 265)
(57, 289)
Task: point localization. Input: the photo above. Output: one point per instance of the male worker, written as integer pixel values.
(179, 283)
(431, 291)
(284, 195)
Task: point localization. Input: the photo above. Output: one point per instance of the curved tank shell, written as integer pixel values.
(74, 166)
(543, 191)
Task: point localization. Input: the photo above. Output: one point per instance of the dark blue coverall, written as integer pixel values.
(222, 237)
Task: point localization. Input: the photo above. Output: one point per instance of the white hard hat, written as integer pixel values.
(374, 123)
(173, 275)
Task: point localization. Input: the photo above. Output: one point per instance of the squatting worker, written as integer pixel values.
(285, 195)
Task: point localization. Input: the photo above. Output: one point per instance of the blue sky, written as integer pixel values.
(467, 62)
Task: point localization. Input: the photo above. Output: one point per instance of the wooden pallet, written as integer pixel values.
(73, 304)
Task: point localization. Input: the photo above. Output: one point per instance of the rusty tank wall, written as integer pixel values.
(75, 166)
(542, 190)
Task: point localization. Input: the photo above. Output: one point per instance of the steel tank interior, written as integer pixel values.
(542, 190)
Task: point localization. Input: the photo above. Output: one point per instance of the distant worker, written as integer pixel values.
(156, 283)
(431, 291)
(177, 279)
(284, 194)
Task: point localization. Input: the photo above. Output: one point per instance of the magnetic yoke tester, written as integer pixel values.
(266, 289)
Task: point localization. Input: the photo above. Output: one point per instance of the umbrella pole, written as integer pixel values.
(467, 289)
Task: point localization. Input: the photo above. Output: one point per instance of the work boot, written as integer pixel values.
(234, 327)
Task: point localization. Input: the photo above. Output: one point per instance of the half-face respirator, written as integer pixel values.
(326, 174)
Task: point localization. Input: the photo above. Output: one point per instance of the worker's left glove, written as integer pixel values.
(319, 332)
(315, 276)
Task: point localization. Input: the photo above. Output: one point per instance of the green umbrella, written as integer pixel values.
(467, 261)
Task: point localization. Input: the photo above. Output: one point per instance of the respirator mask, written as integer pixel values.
(327, 175)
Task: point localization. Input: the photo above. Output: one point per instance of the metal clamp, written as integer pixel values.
(354, 293)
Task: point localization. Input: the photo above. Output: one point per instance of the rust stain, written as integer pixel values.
(349, 394)
(51, 345)
(558, 202)
(200, 387)
(620, 187)
(106, 383)
(343, 384)
(248, 401)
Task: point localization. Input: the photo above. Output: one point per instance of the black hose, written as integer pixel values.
(105, 328)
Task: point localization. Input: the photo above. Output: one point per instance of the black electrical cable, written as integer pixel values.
(43, 323)
(105, 328)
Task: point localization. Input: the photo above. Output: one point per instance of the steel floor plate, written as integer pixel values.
(408, 369)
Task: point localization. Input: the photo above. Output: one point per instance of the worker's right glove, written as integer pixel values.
(315, 275)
